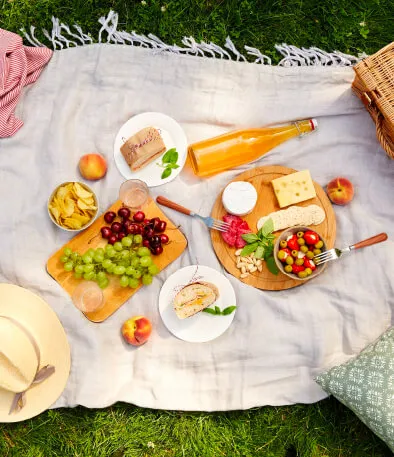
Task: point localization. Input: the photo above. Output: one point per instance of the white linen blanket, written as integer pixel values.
(278, 340)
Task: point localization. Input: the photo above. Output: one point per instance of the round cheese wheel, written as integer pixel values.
(239, 198)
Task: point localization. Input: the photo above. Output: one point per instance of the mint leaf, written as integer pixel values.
(267, 228)
(271, 265)
(249, 248)
(250, 237)
(172, 165)
(166, 173)
(209, 311)
(259, 254)
(171, 156)
(228, 310)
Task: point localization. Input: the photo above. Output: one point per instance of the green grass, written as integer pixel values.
(326, 429)
(330, 24)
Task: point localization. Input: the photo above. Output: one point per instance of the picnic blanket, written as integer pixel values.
(278, 341)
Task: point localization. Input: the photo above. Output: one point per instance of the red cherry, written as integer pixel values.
(139, 216)
(164, 238)
(138, 229)
(109, 217)
(116, 227)
(146, 221)
(161, 226)
(106, 232)
(148, 232)
(146, 243)
(124, 213)
(112, 239)
(121, 235)
(155, 221)
(157, 250)
(126, 224)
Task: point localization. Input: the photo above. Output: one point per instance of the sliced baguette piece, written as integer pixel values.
(195, 297)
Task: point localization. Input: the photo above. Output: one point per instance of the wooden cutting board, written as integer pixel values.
(114, 294)
(261, 179)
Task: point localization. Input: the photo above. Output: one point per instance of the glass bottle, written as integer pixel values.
(239, 147)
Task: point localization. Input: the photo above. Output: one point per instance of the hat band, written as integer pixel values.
(19, 400)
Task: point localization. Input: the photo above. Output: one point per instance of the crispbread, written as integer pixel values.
(294, 215)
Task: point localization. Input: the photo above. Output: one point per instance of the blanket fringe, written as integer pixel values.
(62, 37)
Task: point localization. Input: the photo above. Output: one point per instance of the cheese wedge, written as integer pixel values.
(294, 188)
(194, 298)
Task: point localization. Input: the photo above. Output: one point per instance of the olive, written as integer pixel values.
(283, 244)
(304, 249)
(301, 241)
(294, 253)
(308, 271)
(302, 274)
(288, 268)
(289, 260)
(300, 234)
(317, 251)
(319, 244)
(310, 255)
(299, 262)
(282, 255)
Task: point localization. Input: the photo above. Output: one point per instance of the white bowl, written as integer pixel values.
(85, 186)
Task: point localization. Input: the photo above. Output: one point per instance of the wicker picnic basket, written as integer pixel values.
(374, 85)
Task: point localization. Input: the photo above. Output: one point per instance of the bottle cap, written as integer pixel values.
(314, 124)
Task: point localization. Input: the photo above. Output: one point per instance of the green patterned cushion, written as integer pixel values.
(365, 384)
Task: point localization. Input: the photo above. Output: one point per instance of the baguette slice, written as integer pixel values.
(194, 298)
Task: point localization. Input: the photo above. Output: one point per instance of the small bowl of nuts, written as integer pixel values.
(247, 264)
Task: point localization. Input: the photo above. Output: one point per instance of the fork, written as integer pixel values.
(212, 223)
(333, 254)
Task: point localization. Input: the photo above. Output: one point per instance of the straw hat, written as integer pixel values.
(34, 355)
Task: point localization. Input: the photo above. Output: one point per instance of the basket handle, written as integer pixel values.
(383, 138)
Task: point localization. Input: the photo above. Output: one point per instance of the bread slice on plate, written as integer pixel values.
(142, 148)
(195, 297)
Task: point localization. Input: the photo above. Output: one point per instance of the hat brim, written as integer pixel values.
(37, 316)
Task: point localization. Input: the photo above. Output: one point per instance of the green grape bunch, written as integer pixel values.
(127, 259)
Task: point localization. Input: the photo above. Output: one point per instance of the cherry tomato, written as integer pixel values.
(308, 263)
(292, 243)
(311, 237)
(297, 268)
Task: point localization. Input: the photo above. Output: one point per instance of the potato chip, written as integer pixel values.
(72, 223)
(81, 192)
(81, 218)
(83, 205)
(55, 213)
(69, 207)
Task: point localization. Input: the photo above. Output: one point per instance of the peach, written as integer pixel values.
(137, 330)
(340, 191)
(92, 166)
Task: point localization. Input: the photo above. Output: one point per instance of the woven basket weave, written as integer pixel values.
(374, 85)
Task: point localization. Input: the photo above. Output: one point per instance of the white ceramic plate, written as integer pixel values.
(201, 327)
(173, 137)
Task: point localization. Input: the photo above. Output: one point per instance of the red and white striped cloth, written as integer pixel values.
(19, 66)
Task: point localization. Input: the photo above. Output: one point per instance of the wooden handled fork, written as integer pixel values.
(333, 254)
(210, 222)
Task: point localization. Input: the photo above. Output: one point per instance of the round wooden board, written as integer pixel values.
(261, 179)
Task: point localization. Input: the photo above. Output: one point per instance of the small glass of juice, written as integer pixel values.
(134, 193)
(88, 297)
